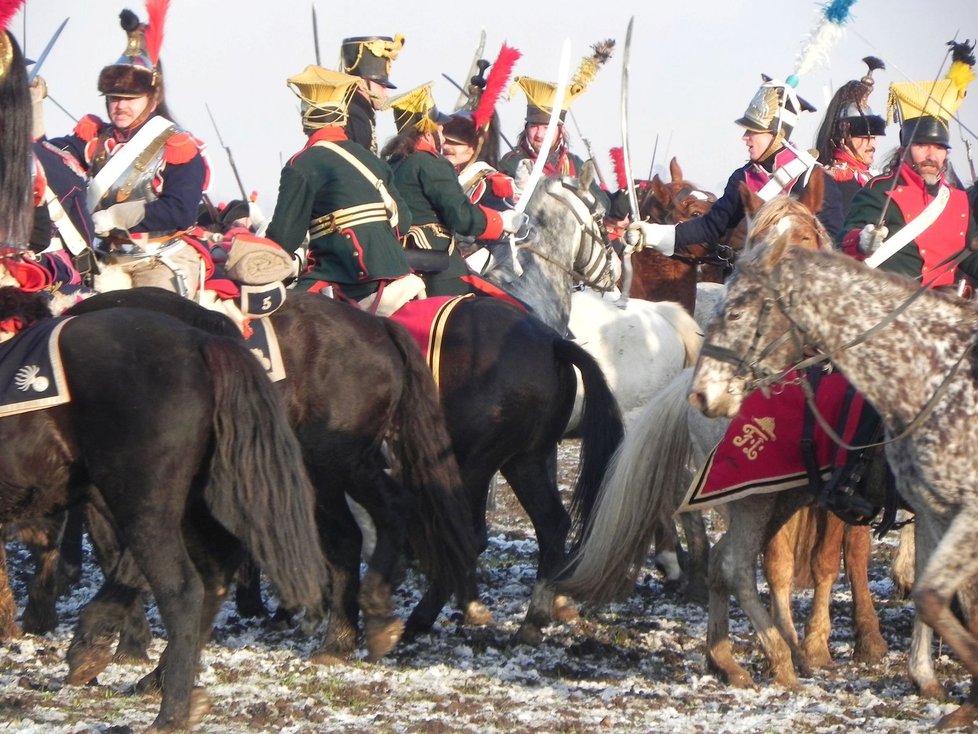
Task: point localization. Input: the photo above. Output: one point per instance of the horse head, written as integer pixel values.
(676, 201)
(752, 337)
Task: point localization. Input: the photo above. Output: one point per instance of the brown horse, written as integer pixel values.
(657, 277)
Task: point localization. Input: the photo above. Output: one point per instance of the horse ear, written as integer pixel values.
(675, 171)
(814, 193)
(751, 201)
(586, 176)
(523, 169)
(659, 189)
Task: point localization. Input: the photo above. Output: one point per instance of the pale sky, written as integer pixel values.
(694, 68)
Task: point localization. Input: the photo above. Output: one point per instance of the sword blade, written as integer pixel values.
(47, 49)
(463, 97)
(315, 35)
(630, 179)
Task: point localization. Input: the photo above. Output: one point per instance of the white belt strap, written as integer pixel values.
(73, 241)
(913, 229)
(783, 177)
(375, 181)
(120, 161)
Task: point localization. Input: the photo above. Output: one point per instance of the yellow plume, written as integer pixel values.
(601, 52)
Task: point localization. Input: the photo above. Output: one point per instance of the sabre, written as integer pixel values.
(315, 36)
(626, 275)
(227, 150)
(47, 49)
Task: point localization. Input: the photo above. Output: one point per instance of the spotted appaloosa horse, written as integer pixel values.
(649, 478)
(826, 303)
(178, 439)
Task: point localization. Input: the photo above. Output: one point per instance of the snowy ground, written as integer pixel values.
(631, 667)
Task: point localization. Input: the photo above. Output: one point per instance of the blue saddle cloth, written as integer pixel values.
(31, 374)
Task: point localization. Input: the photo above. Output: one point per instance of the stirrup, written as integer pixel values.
(851, 508)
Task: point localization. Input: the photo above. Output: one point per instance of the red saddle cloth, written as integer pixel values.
(761, 451)
(426, 320)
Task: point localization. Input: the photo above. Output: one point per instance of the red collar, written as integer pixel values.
(915, 179)
(329, 134)
(842, 157)
(424, 146)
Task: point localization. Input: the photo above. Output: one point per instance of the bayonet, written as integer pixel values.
(47, 49)
(227, 149)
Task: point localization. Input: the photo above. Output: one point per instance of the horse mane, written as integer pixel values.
(29, 308)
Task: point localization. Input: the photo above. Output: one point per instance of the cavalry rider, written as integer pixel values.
(561, 161)
(776, 166)
(343, 196)
(147, 174)
(440, 208)
(846, 139)
(369, 57)
(911, 220)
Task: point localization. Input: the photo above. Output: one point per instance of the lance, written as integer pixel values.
(47, 49)
(655, 149)
(626, 276)
(587, 147)
(463, 96)
(315, 38)
(227, 150)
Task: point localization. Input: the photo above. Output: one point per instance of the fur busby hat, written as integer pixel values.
(924, 109)
(461, 129)
(416, 109)
(137, 71)
(370, 57)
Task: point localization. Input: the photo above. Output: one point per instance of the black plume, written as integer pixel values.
(874, 63)
(962, 51)
(128, 20)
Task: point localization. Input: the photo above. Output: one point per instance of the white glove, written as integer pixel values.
(39, 91)
(513, 221)
(119, 216)
(871, 238)
(661, 237)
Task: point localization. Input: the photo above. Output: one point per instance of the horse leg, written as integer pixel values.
(779, 570)
(902, 567)
(825, 560)
(8, 607)
(921, 662)
(533, 480)
(43, 536)
(870, 645)
(666, 543)
(719, 652)
(72, 555)
(697, 557)
(948, 571)
(247, 592)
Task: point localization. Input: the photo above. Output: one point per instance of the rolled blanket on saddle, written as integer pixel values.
(255, 260)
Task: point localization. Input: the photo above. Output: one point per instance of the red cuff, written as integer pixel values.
(494, 225)
(850, 245)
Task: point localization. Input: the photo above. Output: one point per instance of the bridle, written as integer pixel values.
(593, 258)
(676, 211)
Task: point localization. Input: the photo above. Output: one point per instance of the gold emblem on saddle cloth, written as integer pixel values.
(754, 436)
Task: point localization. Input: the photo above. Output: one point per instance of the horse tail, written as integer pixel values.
(639, 494)
(441, 531)
(258, 488)
(600, 427)
(686, 327)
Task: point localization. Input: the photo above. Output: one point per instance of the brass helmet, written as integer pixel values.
(137, 71)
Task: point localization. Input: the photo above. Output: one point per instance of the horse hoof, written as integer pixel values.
(871, 649)
(130, 656)
(328, 658)
(382, 636)
(10, 631)
(477, 614)
(963, 716)
(149, 684)
(39, 623)
(529, 634)
(564, 610)
(934, 691)
(85, 664)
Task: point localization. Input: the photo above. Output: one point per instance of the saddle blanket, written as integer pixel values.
(426, 320)
(761, 451)
(31, 372)
(263, 343)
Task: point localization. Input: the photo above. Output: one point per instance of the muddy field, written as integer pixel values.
(637, 666)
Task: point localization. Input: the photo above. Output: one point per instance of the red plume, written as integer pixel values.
(618, 162)
(495, 83)
(8, 8)
(156, 21)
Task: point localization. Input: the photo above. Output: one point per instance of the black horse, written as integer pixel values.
(177, 438)
(354, 383)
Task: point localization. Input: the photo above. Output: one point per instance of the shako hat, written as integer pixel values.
(370, 57)
(924, 109)
(137, 71)
(324, 95)
(416, 109)
(541, 96)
